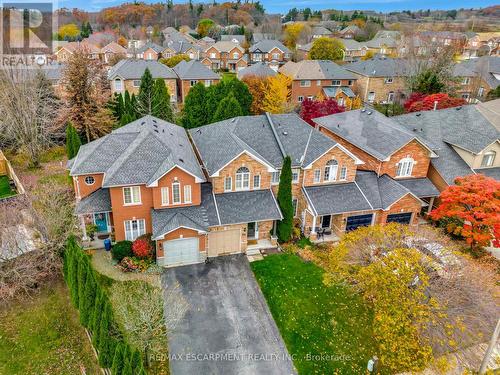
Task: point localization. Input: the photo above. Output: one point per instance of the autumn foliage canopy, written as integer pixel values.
(316, 108)
(421, 102)
(142, 248)
(472, 208)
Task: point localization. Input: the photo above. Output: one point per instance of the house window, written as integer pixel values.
(294, 204)
(488, 159)
(465, 95)
(187, 193)
(405, 166)
(390, 97)
(132, 195)
(317, 176)
(389, 80)
(305, 83)
(136, 83)
(164, 196)
(295, 175)
(176, 193)
(256, 181)
(212, 55)
(371, 97)
(341, 101)
(480, 92)
(331, 170)
(208, 82)
(118, 85)
(275, 177)
(150, 56)
(300, 99)
(276, 56)
(89, 180)
(192, 83)
(343, 174)
(350, 82)
(236, 55)
(336, 82)
(228, 183)
(134, 229)
(191, 55)
(465, 81)
(318, 82)
(242, 179)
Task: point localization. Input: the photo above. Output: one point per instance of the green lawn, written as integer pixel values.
(43, 336)
(5, 190)
(315, 320)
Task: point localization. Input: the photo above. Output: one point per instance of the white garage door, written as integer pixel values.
(224, 242)
(181, 251)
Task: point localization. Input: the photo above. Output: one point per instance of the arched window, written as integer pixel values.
(488, 159)
(89, 180)
(331, 170)
(118, 84)
(242, 181)
(405, 166)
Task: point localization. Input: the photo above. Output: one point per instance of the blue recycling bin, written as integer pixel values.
(107, 244)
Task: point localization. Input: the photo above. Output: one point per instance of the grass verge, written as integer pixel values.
(43, 335)
(327, 329)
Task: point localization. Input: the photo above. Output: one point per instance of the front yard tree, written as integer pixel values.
(73, 276)
(257, 86)
(327, 49)
(105, 341)
(161, 107)
(82, 278)
(227, 108)
(285, 226)
(241, 92)
(277, 97)
(89, 297)
(195, 108)
(312, 109)
(95, 315)
(473, 207)
(145, 96)
(73, 141)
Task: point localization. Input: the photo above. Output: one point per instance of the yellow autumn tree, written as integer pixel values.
(356, 103)
(369, 55)
(277, 97)
(292, 34)
(70, 30)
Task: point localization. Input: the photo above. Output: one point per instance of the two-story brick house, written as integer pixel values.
(190, 73)
(271, 52)
(311, 77)
(126, 76)
(180, 47)
(225, 56)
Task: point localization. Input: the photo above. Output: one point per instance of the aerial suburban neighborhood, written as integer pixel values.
(250, 188)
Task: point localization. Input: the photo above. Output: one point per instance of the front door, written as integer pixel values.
(253, 230)
(101, 220)
(325, 221)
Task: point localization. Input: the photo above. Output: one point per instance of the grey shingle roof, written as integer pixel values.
(138, 153)
(421, 187)
(332, 91)
(259, 69)
(379, 67)
(320, 30)
(230, 38)
(155, 47)
(486, 66)
(352, 44)
(134, 69)
(247, 206)
(315, 69)
(194, 70)
(98, 201)
(371, 131)
(181, 46)
(490, 172)
(381, 41)
(221, 142)
(267, 45)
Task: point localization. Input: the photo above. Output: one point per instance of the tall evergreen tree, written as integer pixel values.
(145, 96)
(161, 101)
(82, 278)
(241, 92)
(195, 107)
(95, 315)
(227, 108)
(73, 141)
(118, 360)
(73, 276)
(89, 296)
(105, 341)
(285, 226)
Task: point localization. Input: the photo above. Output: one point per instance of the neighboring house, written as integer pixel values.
(190, 73)
(205, 42)
(349, 32)
(64, 53)
(468, 82)
(320, 31)
(442, 39)
(388, 34)
(385, 149)
(380, 80)
(149, 51)
(111, 50)
(354, 50)
(257, 37)
(126, 76)
(466, 140)
(311, 77)
(484, 73)
(237, 39)
(386, 45)
(303, 50)
(271, 52)
(174, 48)
(225, 56)
(261, 70)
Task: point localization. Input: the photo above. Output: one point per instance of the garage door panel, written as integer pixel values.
(354, 222)
(181, 251)
(224, 242)
(403, 218)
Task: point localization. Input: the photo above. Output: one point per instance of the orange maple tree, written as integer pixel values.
(421, 102)
(473, 209)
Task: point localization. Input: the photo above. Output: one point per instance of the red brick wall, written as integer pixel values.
(413, 150)
(313, 90)
(181, 233)
(184, 178)
(88, 189)
(406, 204)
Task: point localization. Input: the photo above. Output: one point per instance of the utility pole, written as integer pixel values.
(493, 342)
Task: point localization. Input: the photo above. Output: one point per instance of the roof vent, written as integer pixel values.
(163, 130)
(285, 133)
(171, 134)
(418, 114)
(181, 160)
(338, 125)
(142, 123)
(154, 121)
(156, 130)
(233, 119)
(421, 129)
(198, 131)
(180, 144)
(363, 109)
(414, 129)
(458, 108)
(369, 113)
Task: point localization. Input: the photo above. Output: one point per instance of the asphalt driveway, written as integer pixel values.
(228, 328)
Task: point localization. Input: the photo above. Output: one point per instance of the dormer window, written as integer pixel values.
(242, 181)
(405, 167)
(488, 159)
(331, 171)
